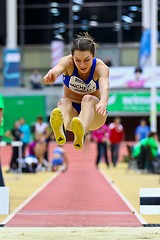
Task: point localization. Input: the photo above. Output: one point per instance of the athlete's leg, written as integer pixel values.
(78, 131)
(68, 111)
(60, 117)
(80, 125)
(88, 119)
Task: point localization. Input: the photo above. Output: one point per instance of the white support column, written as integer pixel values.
(11, 8)
(154, 30)
(146, 13)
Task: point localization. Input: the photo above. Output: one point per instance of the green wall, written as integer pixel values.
(28, 107)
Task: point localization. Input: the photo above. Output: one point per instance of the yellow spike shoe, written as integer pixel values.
(56, 122)
(77, 129)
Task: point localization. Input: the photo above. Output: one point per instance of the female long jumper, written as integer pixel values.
(86, 91)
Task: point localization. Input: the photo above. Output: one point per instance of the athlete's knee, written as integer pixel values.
(63, 102)
(89, 98)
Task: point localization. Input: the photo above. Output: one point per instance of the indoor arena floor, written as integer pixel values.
(81, 203)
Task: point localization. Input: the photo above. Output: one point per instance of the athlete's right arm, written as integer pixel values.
(56, 71)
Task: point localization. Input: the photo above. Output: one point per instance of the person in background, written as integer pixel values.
(36, 150)
(142, 130)
(145, 151)
(1, 134)
(42, 128)
(101, 137)
(15, 134)
(116, 136)
(25, 129)
(36, 80)
(59, 159)
(138, 81)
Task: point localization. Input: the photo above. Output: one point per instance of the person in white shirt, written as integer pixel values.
(41, 126)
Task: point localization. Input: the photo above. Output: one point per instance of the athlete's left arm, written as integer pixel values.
(103, 75)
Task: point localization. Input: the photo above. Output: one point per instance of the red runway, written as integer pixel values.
(79, 197)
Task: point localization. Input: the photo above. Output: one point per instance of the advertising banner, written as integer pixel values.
(138, 102)
(129, 77)
(11, 67)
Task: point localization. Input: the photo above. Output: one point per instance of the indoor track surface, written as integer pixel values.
(79, 197)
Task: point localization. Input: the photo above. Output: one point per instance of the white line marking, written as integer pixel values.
(123, 197)
(74, 213)
(7, 219)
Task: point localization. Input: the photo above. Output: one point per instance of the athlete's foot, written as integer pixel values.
(56, 122)
(77, 129)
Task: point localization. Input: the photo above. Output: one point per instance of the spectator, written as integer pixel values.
(138, 81)
(29, 164)
(25, 129)
(40, 149)
(142, 130)
(40, 126)
(115, 137)
(146, 151)
(101, 137)
(15, 134)
(1, 134)
(59, 158)
(36, 80)
(36, 151)
(43, 128)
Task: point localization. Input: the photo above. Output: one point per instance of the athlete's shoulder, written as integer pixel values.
(101, 67)
(101, 63)
(68, 58)
(68, 61)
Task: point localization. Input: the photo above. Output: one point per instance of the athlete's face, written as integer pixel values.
(83, 60)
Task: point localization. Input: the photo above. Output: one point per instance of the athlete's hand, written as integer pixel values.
(101, 108)
(49, 77)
